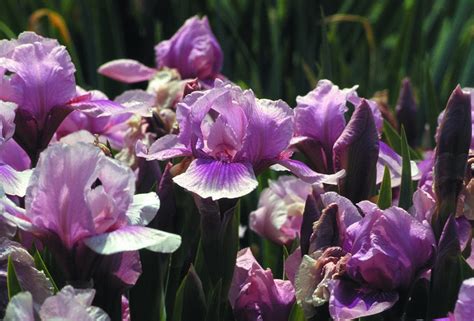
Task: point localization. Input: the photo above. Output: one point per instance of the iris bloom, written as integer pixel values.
(280, 209)
(78, 194)
(193, 51)
(37, 74)
(320, 119)
(361, 264)
(255, 295)
(68, 304)
(232, 136)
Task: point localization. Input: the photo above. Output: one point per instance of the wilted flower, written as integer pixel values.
(232, 135)
(13, 181)
(68, 304)
(255, 295)
(280, 209)
(42, 84)
(320, 121)
(369, 264)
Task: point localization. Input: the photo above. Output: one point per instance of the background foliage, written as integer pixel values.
(279, 48)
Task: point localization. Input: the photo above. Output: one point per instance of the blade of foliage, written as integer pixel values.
(41, 266)
(385, 195)
(406, 186)
(13, 285)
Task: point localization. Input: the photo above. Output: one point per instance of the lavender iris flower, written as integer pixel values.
(68, 304)
(255, 295)
(38, 75)
(232, 136)
(320, 120)
(361, 265)
(79, 195)
(193, 51)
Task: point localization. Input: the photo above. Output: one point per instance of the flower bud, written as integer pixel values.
(356, 151)
(406, 110)
(453, 141)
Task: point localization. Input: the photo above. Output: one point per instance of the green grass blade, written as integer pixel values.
(385, 194)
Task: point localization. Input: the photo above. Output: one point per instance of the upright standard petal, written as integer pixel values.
(320, 114)
(43, 74)
(217, 179)
(127, 71)
(78, 196)
(193, 50)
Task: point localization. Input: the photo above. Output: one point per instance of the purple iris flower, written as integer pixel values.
(81, 205)
(67, 304)
(320, 119)
(255, 295)
(361, 265)
(232, 136)
(78, 195)
(38, 75)
(193, 50)
(13, 179)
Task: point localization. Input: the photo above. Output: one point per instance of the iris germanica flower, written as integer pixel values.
(361, 265)
(81, 205)
(232, 136)
(255, 295)
(38, 75)
(193, 51)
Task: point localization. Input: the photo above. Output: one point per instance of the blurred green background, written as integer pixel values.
(279, 48)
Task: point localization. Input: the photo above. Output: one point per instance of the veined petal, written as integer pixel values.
(143, 208)
(132, 238)
(14, 182)
(216, 179)
(164, 148)
(126, 70)
(308, 175)
(96, 107)
(136, 101)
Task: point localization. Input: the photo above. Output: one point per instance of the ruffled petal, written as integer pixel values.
(143, 208)
(132, 238)
(126, 70)
(216, 179)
